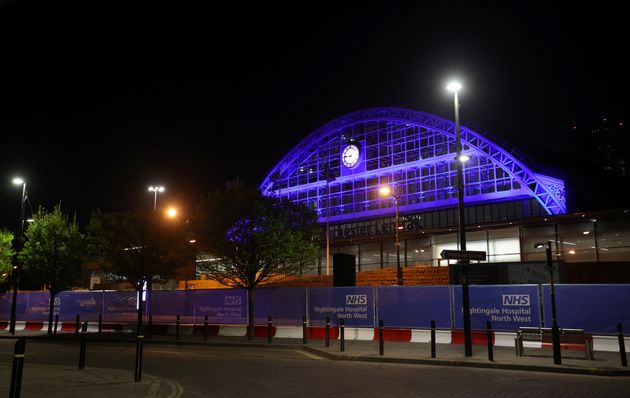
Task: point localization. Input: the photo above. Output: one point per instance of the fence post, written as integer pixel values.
(56, 323)
(304, 329)
(77, 326)
(381, 344)
(342, 336)
(100, 325)
(489, 334)
(622, 345)
(18, 366)
(139, 349)
(269, 329)
(177, 328)
(82, 345)
(205, 328)
(327, 332)
(432, 339)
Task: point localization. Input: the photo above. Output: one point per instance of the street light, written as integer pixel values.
(171, 212)
(17, 266)
(155, 191)
(387, 191)
(454, 87)
(555, 332)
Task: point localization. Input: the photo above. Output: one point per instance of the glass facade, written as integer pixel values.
(575, 241)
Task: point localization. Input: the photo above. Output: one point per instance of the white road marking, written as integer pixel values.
(308, 354)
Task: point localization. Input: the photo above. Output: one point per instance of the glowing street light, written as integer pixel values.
(17, 267)
(155, 191)
(171, 212)
(454, 87)
(386, 192)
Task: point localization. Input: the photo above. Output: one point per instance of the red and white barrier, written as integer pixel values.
(501, 339)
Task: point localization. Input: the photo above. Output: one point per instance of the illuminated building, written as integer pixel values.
(338, 170)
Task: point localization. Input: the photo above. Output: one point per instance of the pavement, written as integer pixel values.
(54, 380)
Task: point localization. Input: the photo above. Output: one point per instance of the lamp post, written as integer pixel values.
(17, 267)
(454, 87)
(155, 191)
(387, 191)
(555, 332)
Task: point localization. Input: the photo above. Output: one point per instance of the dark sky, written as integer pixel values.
(99, 100)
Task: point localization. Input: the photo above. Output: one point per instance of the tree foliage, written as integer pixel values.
(54, 250)
(53, 253)
(254, 238)
(6, 257)
(139, 247)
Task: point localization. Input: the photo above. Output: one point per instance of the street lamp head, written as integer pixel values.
(171, 212)
(156, 189)
(454, 86)
(18, 181)
(385, 191)
(542, 245)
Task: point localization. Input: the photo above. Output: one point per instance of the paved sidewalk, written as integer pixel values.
(54, 381)
(58, 381)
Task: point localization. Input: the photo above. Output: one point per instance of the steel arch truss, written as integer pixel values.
(415, 152)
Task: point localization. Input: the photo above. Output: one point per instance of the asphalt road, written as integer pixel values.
(214, 371)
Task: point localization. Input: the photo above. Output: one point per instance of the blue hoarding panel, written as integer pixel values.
(222, 305)
(88, 305)
(594, 308)
(286, 306)
(119, 306)
(414, 306)
(354, 304)
(508, 307)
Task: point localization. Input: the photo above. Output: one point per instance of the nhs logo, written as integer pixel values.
(356, 299)
(232, 300)
(515, 299)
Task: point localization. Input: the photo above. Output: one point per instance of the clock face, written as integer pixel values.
(350, 156)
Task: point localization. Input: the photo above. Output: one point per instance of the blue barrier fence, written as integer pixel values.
(594, 308)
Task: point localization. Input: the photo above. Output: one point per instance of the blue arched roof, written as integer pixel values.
(412, 150)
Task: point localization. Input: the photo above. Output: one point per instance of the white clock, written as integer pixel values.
(350, 156)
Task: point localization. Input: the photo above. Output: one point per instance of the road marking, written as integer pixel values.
(155, 386)
(178, 390)
(308, 354)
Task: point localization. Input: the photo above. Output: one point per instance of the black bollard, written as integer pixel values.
(327, 332)
(205, 328)
(381, 344)
(177, 328)
(139, 349)
(82, 347)
(432, 339)
(342, 336)
(489, 334)
(77, 326)
(56, 323)
(622, 345)
(304, 329)
(18, 366)
(100, 325)
(269, 329)
(149, 326)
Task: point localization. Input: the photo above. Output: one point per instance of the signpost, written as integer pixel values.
(463, 255)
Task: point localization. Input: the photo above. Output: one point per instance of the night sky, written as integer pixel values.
(99, 100)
